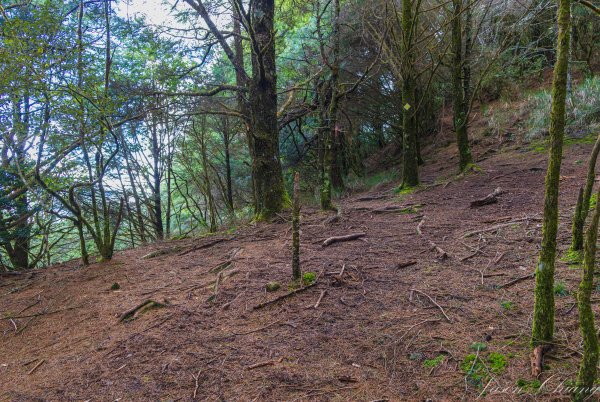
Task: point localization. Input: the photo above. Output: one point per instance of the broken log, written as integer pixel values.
(537, 361)
(337, 239)
(491, 198)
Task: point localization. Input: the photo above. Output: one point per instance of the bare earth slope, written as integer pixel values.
(367, 339)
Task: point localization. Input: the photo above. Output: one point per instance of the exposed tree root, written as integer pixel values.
(205, 245)
(140, 308)
(161, 252)
(405, 264)
(337, 239)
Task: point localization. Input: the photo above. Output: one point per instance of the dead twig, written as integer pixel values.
(263, 364)
(323, 292)
(419, 227)
(433, 301)
(516, 280)
(442, 254)
(36, 366)
(255, 330)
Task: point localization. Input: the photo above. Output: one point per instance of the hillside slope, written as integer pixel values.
(375, 334)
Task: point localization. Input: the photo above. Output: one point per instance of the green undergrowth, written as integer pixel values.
(355, 183)
(433, 363)
(572, 257)
(583, 113)
(528, 386)
(480, 369)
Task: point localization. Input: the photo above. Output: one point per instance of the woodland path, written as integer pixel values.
(368, 336)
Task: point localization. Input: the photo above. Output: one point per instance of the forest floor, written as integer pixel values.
(398, 324)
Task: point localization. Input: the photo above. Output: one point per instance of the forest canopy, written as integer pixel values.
(116, 132)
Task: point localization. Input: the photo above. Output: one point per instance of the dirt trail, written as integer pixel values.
(368, 338)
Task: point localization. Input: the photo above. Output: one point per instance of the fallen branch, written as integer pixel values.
(491, 198)
(323, 292)
(255, 330)
(285, 296)
(337, 239)
(419, 323)
(263, 364)
(16, 317)
(442, 254)
(229, 303)
(341, 273)
(433, 301)
(419, 226)
(36, 367)
(496, 227)
(499, 258)
(392, 208)
(516, 280)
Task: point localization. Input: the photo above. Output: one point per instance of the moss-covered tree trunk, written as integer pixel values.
(296, 272)
(268, 176)
(583, 203)
(588, 369)
(460, 103)
(543, 314)
(410, 166)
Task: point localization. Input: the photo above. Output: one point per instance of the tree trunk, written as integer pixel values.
(459, 108)
(543, 313)
(156, 173)
(410, 165)
(583, 206)
(588, 369)
(296, 272)
(269, 187)
(226, 143)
